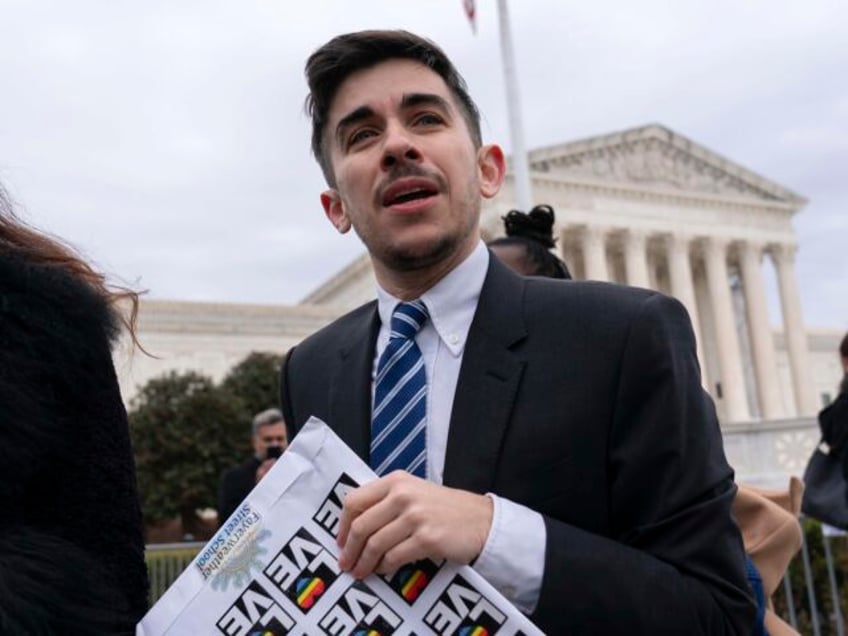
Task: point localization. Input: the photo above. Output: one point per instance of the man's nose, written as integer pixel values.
(399, 148)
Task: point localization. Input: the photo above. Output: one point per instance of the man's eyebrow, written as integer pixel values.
(356, 115)
(425, 99)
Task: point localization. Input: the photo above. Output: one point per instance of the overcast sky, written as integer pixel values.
(167, 140)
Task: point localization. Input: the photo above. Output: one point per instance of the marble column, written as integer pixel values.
(595, 253)
(793, 329)
(729, 354)
(683, 288)
(636, 258)
(760, 332)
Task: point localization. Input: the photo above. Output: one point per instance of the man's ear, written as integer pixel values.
(492, 166)
(334, 209)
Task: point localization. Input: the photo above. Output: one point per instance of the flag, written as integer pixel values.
(470, 11)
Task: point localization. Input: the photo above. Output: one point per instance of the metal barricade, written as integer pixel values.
(165, 562)
(817, 583)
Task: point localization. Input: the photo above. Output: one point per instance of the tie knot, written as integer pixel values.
(407, 319)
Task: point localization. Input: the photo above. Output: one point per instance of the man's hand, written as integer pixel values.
(399, 519)
(264, 467)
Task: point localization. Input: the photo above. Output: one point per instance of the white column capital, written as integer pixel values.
(637, 234)
(715, 244)
(783, 253)
(678, 241)
(753, 246)
(680, 237)
(595, 232)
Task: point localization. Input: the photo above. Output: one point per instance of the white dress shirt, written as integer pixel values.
(513, 558)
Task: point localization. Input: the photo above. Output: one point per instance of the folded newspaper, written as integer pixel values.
(272, 568)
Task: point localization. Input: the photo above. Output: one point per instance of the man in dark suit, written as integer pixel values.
(269, 441)
(569, 451)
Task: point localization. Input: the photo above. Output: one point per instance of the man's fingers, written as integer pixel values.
(358, 501)
(361, 532)
(400, 518)
(376, 546)
(355, 503)
(407, 551)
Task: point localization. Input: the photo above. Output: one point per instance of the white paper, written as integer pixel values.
(272, 568)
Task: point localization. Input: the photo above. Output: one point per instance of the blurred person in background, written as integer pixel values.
(833, 419)
(71, 544)
(526, 248)
(269, 442)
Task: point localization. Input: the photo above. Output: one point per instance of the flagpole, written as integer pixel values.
(520, 166)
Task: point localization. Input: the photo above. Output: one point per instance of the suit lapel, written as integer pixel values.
(488, 382)
(350, 392)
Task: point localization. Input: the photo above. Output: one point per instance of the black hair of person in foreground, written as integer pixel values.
(71, 543)
(527, 244)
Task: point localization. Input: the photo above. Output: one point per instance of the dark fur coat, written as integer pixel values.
(71, 546)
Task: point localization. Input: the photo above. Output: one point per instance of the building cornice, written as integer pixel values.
(657, 194)
(681, 159)
(181, 317)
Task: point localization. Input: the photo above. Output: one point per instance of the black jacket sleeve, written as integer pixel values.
(675, 561)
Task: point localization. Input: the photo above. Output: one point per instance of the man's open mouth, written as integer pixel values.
(409, 195)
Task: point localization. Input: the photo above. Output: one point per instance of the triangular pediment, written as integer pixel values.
(654, 156)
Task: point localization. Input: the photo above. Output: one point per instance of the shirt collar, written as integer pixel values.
(451, 302)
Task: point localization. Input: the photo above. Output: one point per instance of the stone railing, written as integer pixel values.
(767, 453)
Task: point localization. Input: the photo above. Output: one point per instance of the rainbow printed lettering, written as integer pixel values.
(413, 585)
(309, 591)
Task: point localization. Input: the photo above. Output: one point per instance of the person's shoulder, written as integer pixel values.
(600, 305)
(343, 330)
(836, 410)
(588, 293)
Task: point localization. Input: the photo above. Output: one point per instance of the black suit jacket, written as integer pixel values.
(236, 484)
(581, 401)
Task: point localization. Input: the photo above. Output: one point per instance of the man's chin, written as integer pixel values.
(420, 256)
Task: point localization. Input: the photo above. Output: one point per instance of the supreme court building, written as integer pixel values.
(645, 207)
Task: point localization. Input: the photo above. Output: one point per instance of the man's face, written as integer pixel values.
(408, 178)
(269, 435)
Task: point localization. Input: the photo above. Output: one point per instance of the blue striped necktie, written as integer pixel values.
(399, 419)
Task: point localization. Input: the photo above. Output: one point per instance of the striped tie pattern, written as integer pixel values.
(398, 439)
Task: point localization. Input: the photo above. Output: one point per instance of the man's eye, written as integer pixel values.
(360, 135)
(428, 119)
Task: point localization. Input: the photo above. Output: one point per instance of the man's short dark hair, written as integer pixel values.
(342, 56)
(843, 347)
